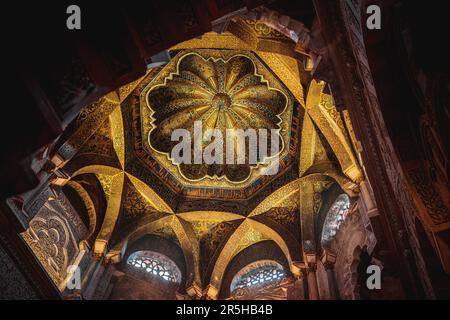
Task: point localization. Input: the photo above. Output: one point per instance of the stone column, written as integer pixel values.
(329, 260)
(311, 260)
(312, 283)
(298, 271)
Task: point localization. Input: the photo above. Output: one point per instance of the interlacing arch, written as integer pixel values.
(178, 222)
(287, 196)
(298, 195)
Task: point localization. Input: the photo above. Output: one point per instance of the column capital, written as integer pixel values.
(59, 177)
(211, 292)
(311, 261)
(298, 269)
(195, 291)
(100, 249)
(58, 160)
(328, 259)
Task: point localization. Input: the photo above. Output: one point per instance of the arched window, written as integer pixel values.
(258, 274)
(155, 264)
(335, 217)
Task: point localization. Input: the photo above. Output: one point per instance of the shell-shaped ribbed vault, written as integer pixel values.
(223, 90)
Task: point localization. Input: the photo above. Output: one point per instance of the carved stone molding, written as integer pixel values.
(383, 168)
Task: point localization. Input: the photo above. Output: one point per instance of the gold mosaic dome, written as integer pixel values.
(224, 90)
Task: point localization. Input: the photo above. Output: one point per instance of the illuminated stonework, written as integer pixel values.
(224, 89)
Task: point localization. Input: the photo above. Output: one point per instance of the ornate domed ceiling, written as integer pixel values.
(116, 157)
(224, 90)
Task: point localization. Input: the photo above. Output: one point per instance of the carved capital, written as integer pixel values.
(211, 292)
(328, 259)
(59, 178)
(311, 262)
(114, 256)
(195, 291)
(298, 269)
(100, 247)
(58, 160)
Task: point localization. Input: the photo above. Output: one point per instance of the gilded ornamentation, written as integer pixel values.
(53, 239)
(135, 205)
(234, 88)
(252, 236)
(211, 239)
(203, 227)
(264, 31)
(319, 187)
(93, 118)
(106, 182)
(125, 90)
(327, 103)
(90, 207)
(322, 185)
(117, 134)
(100, 142)
(286, 196)
(335, 134)
(224, 90)
(112, 214)
(167, 232)
(285, 216)
(87, 111)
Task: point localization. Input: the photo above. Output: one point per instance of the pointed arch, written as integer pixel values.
(332, 132)
(231, 248)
